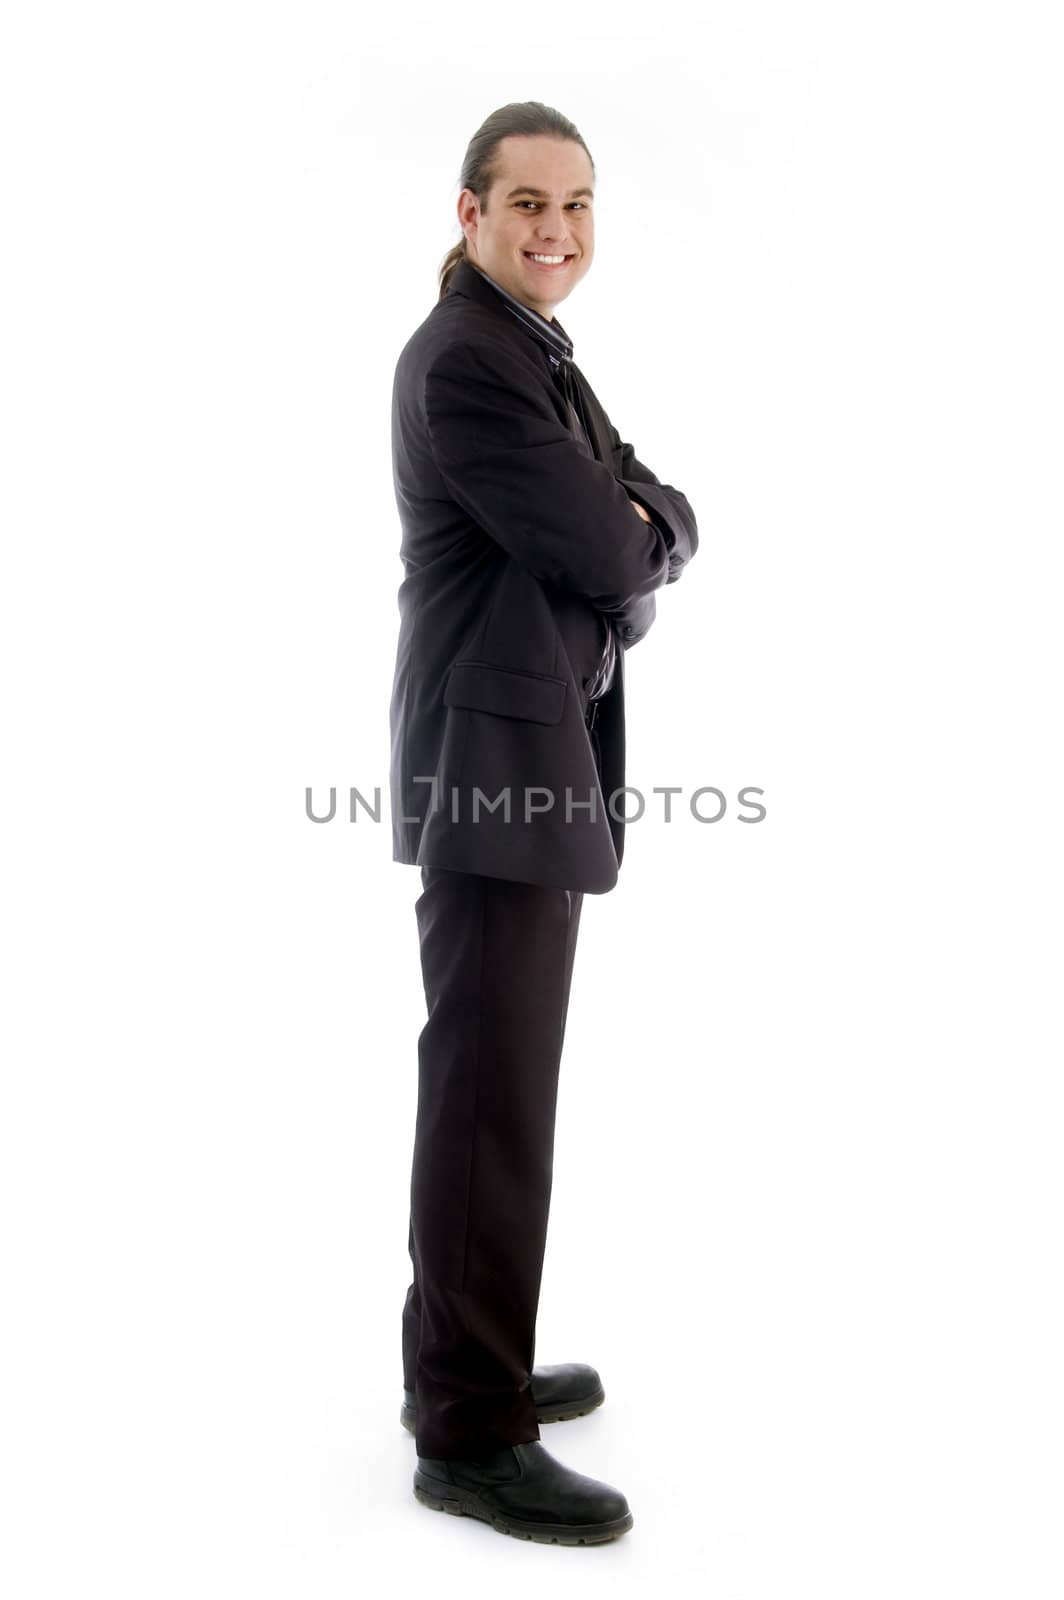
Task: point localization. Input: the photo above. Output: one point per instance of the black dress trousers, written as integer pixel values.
(497, 961)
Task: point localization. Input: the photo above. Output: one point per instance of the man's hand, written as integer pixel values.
(643, 512)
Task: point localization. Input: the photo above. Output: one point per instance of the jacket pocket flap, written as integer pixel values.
(477, 686)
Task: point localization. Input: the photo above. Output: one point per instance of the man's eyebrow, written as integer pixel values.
(541, 194)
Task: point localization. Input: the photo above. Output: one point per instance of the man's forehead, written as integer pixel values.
(528, 163)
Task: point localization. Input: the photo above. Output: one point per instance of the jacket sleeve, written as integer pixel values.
(514, 468)
(667, 505)
(634, 619)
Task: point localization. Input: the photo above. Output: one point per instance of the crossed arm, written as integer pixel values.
(516, 470)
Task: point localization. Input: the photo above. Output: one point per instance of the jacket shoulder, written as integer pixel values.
(459, 335)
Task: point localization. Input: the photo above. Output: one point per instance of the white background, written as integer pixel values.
(806, 1213)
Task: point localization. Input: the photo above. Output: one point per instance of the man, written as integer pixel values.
(533, 544)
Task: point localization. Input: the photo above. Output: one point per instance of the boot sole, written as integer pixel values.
(560, 1413)
(463, 1503)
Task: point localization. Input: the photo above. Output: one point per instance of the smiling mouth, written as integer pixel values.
(548, 266)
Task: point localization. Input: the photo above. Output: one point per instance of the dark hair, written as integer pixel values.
(528, 117)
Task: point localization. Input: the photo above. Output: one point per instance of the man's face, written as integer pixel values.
(539, 204)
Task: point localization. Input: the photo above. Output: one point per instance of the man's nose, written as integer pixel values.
(552, 227)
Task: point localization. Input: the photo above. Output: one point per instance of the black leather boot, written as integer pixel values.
(522, 1489)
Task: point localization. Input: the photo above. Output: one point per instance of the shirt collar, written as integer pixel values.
(559, 347)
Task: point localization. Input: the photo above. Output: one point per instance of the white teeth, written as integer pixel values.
(551, 260)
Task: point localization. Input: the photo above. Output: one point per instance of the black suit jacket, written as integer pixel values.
(517, 544)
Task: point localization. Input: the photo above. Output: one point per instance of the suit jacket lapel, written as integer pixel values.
(468, 282)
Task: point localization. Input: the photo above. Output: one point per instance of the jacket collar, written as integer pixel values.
(475, 284)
